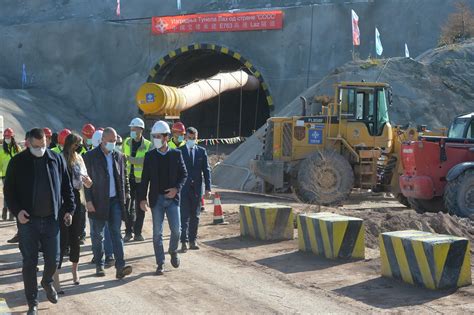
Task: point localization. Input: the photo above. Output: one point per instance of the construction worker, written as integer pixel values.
(178, 130)
(134, 149)
(61, 140)
(87, 133)
(49, 135)
(8, 150)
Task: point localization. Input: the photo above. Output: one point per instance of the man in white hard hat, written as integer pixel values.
(134, 148)
(165, 173)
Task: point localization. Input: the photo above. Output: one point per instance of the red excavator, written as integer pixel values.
(439, 171)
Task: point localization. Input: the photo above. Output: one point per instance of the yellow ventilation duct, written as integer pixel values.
(157, 99)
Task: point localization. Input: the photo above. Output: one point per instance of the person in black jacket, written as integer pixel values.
(164, 173)
(105, 200)
(198, 168)
(37, 184)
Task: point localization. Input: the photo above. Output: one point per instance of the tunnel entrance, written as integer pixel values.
(200, 64)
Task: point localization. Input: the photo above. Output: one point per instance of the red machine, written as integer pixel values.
(439, 171)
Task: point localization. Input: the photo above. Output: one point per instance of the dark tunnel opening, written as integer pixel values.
(201, 64)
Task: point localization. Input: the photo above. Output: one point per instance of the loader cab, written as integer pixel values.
(364, 111)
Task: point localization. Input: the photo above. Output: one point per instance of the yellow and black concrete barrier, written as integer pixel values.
(4, 307)
(266, 221)
(331, 235)
(434, 261)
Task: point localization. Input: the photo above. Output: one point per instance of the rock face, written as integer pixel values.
(82, 58)
(431, 89)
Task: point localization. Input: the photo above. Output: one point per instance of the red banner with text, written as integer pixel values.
(218, 22)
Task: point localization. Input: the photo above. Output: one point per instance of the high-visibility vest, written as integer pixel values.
(57, 149)
(172, 145)
(5, 159)
(139, 158)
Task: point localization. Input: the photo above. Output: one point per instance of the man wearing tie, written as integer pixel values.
(195, 158)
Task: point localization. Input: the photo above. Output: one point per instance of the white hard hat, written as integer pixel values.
(160, 127)
(97, 138)
(137, 122)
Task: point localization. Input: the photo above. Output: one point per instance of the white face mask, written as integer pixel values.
(190, 143)
(158, 143)
(38, 152)
(8, 141)
(110, 146)
(118, 148)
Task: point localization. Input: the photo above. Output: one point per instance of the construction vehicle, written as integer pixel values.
(349, 144)
(161, 102)
(439, 171)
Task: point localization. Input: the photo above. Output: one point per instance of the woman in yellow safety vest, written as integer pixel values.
(9, 149)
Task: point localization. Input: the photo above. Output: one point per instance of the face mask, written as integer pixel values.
(158, 143)
(133, 134)
(8, 141)
(89, 141)
(38, 152)
(190, 143)
(180, 138)
(110, 146)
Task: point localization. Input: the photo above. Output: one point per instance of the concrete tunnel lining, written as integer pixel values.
(190, 63)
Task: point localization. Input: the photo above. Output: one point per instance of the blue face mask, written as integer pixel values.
(110, 146)
(89, 141)
(133, 134)
(180, 138)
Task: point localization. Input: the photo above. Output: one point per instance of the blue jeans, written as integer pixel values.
(171, 208)
(46, 230)
(190, 212)
(108, 246)
(98, 228)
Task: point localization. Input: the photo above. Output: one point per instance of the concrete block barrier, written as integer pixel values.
(434, 261)
(266, 221)
(331, 235)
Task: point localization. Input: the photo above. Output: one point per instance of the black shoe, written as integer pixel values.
(160, 270)
(184, 247)
(109, 261)
(51, 293)
(138, 238)
(14, 239)
(4, 214)
(122, 272)
(99, 272)
(193, 245)
(32, 310)
(127, 237)
(174, 260)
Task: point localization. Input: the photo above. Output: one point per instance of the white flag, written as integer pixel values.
(178, 4)
(355, 29)
(407, 52)
(378, 43)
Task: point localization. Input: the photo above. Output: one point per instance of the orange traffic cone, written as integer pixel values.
(218, 213)
(203, 208)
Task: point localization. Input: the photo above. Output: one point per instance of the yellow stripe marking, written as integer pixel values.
(172, 53)
(440, 252)
(386, 271)
(264, 86)
(224, 50)
(465, 274)
(184, 49)
(161, 62)
(269, 100)
(312, 235)
(261, 228)
(359, 247)
(248, 64)
(301, 243)
(153, 72)
(423, 265)
(249, 221)
(242, 229)
(257, 74)
(401, 259)
(339, 229)
(237, 56)
(197, 46)
(325, 235)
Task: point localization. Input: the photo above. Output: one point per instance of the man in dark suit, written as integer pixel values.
(164, 173)
(37, 184)
(195, 158)
(106, 200)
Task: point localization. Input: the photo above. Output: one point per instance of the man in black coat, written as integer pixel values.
(197, 165)
(164, 173)
(37, 184)
(106, 200)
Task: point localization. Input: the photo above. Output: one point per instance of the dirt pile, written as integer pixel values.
(431, 89)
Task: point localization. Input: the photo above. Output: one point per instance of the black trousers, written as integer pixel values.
(190, 210)
(70, 236)
(135, 215)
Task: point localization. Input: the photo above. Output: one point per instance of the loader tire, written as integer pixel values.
(421, 205)
(324, 178)
(459, 195)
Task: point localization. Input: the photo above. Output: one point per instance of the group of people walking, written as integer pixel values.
(48, 187)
